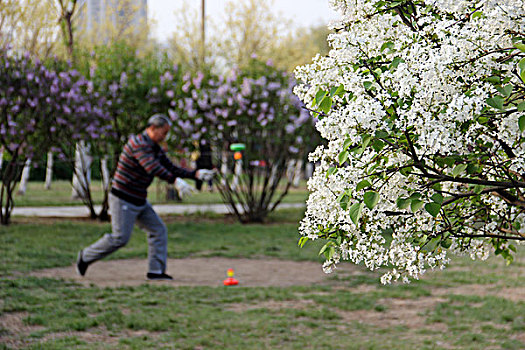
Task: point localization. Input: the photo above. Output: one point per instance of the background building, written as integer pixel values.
(94, 13)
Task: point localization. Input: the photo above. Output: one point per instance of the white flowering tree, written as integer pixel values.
(422, 104)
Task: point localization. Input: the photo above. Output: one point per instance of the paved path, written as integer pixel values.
(82, 211)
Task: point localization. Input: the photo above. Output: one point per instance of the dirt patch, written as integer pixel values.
(16, 334)
(200, 272)
(398, 312)
(12, 326)
(513, 294)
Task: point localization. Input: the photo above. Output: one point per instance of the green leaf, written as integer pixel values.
(342, 157)
(355, 212)
(371, 198)
(367, 85)
(437, 197)
(326, 105)
(340, 90)
(302, 241)
(378, 145)
(494, 79)
(496, 102)
(387, 45)
(521, 123)
(332, 170)
(508, 90)
(402, 203)
(395, 62)
(505, 91)
(476, 14)
(319, 96)
(460, 168)
(446, 243)
(366, 138)
(415, 195)
(520, 46)
(478, 189)
(433, 208)
(521, 107)
(406, 171)
(325, 247)
(449, 161)
(521, 66)
(362, 184)
(416, 204)
(347, 144)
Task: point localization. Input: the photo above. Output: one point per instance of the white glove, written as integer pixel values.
(183, 188)
(205, 174)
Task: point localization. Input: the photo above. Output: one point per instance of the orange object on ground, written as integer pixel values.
(230, 281)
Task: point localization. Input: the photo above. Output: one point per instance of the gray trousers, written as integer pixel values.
(123, 217)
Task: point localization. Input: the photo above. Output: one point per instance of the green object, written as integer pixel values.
(237, 147)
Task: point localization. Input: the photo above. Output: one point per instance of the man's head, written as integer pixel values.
(158, 127)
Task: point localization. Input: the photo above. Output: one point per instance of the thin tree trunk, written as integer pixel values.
(309, 170)
(297, 173)
(237, 171)
(105, 173)
(49, 170)
(224, 166)
(82, 173)
(22, 187)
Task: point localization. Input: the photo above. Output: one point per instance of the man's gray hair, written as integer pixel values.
(159, 120)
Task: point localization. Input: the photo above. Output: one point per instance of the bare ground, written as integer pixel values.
(409, 313)
(198, 272)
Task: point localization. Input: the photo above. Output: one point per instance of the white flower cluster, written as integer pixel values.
(437, 84)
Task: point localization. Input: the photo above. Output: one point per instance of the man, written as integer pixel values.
(140, 161)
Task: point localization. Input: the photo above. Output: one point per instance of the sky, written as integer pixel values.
(301, 12)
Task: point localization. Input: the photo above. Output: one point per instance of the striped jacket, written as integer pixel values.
(140, 161)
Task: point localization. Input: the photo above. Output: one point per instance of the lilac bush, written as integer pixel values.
(41, 109)
(254, 107)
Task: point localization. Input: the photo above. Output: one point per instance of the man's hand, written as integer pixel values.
(205, 174)
(183, 188)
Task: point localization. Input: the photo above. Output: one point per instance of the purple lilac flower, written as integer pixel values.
(273, 86)
(173, 115)
(113, 88)
(170, 94)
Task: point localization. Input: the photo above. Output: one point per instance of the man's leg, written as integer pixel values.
(123, 215)
(152, 224)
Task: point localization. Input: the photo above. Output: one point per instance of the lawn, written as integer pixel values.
(60, 195)
(471, 305)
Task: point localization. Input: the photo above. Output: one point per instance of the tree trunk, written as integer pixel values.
(9, 177)
(49, 170)
(309, 171)
(237, 172)
(224, 166)
(22, 187)
(105, 173)
(297, 173)
(82, 173)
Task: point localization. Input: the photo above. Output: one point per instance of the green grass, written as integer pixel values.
(348, 311)
(60, 195)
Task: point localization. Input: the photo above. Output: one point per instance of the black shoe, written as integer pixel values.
(158, 277)
(81, 265)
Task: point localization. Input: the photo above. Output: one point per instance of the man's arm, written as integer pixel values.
(175, 170)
